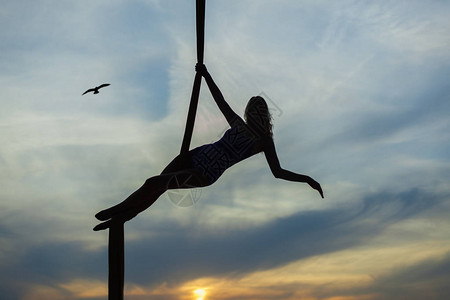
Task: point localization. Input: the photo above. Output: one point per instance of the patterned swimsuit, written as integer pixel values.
(236, 144)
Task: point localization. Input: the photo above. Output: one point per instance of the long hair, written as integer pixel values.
(257, 115)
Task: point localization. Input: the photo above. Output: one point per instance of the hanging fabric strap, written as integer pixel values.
(200, 30)
(200, 12)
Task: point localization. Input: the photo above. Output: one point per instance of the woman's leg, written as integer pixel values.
(150, 191)
(178, 174)
(143, 191)
(133, 201)
(146, 195)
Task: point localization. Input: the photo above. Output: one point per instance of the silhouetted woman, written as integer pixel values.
(203, 165)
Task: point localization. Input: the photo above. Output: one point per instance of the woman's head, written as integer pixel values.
(257, 115)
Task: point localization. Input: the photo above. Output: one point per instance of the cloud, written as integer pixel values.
(174, 254)
(49, 265)
(201, 253)
(428, 279)
(363, 91)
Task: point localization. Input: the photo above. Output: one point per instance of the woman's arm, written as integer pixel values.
(226, 110)
(279, 172)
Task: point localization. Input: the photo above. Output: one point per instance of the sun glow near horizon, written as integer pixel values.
(200, 294)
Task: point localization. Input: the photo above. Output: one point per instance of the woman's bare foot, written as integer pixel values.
(120, 218)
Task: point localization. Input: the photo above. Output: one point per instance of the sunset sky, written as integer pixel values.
(360, 97)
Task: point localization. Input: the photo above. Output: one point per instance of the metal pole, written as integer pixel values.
(116, 262)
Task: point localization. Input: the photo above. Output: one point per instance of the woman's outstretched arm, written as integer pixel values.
(279, 172)
(226, 110)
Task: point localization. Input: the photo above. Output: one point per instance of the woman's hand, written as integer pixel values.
(201, 69)
(315, 185)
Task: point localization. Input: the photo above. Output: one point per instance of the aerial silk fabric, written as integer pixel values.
(200, 14)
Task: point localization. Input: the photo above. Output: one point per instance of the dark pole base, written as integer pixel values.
(116, 262)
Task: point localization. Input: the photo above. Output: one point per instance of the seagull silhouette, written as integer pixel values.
(95, 90)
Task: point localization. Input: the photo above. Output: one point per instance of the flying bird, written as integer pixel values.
(95, 90)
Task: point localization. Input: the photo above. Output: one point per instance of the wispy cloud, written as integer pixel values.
(158, 257)
(364, 94)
